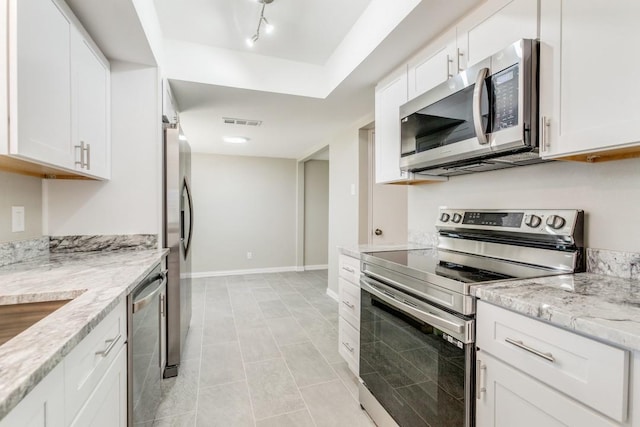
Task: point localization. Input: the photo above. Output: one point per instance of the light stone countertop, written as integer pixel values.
(604, 307)
(356, 250)
(98, 281)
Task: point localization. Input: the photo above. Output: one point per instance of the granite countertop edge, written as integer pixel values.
(601, 307)
(21, 366)
(355, 251)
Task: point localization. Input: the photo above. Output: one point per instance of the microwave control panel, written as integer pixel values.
(505, 86)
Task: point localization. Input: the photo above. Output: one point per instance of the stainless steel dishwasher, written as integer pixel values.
(146, 331)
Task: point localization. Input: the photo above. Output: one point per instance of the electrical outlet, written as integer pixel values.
(17, 219)
(249, 255)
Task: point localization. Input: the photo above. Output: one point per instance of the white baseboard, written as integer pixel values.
(202, 274)
(332, 294)
(316, 267)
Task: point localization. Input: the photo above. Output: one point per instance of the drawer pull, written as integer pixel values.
(348, 304)
(348, 347)
(349, 269)
(520, 344)
(112, 343)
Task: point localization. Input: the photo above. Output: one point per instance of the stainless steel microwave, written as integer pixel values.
(484, 118)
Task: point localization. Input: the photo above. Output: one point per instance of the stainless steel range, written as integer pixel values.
(417, 328)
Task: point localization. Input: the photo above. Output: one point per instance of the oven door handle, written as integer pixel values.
(433, 319)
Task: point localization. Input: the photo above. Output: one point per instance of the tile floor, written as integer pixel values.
(262, 352)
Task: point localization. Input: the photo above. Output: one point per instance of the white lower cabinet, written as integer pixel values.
(512, 398)
(107, 405)
(43, 406)
(530, 373)
(349, 311)
(88, 388)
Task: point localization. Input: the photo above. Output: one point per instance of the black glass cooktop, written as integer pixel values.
(429, 261)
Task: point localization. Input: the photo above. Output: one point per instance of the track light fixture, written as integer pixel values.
(268, 28)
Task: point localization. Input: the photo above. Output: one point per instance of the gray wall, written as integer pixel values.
(243, 204)
(20, 190)
(608, 192)
(316, 212)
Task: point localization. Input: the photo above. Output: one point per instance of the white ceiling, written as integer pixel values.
(309, 80)
(305, 30)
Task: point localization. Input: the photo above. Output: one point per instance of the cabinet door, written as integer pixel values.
(40, 87)
(107, 406)
(505, 23)
(511, 398)
(389, 96)
(90, 114)
(590, 99)
(433, 65)
(43, 406)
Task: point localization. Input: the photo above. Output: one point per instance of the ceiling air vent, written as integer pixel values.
(243, 122)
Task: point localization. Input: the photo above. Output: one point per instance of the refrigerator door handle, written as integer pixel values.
(186, 236)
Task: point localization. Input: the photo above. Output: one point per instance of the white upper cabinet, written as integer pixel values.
(435, 64)
(390, 95)
(58, 91)
(590, 98)
(90, 108)
(40, 83)
(492, 28)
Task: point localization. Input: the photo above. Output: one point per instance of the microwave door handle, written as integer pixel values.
(477, 105)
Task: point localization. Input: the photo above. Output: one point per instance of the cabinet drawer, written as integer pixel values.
(591, 372)
(511, 398)
(349, 269)
(88, 362)
(349, 303)
(349, 344)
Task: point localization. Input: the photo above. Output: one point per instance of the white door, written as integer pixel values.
(40, 88)
(387, 207)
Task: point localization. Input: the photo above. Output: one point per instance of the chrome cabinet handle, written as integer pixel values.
(112, 343)
(348, 347)
(460, 55)
(449, 62)
(88, 163)
(82, 151)
(348, 304)
(477, 105)
(481, 388)
(85, 155)
(520, 344)
(349, 269)
(546, 123)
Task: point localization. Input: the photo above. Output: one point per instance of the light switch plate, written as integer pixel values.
(17, 218)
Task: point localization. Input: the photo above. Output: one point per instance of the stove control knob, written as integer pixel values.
(532, 221)
(556, 222)
(445, 217)
(456, 218)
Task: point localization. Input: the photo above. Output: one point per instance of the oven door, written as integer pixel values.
(415, 359)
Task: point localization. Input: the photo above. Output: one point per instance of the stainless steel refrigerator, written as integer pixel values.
(178, 232)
